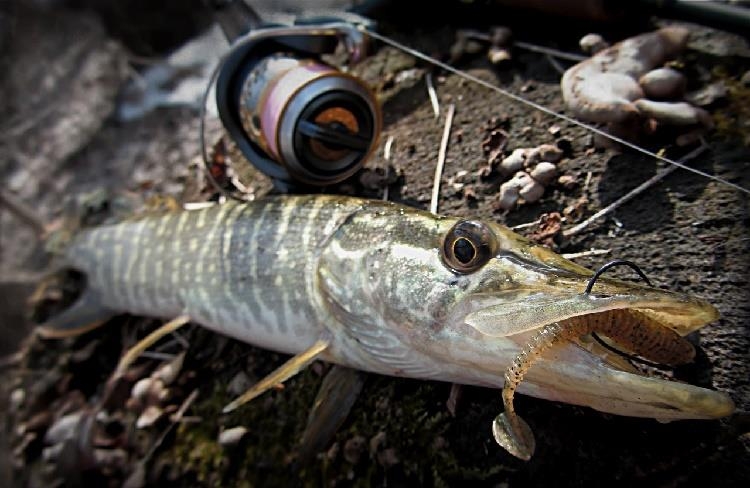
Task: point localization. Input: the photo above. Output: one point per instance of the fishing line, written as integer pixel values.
(542, 108)
(202, 133)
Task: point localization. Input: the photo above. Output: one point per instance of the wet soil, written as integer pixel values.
(687, 232)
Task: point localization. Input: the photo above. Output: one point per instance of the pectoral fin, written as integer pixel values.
(280, 375)
(332, 405)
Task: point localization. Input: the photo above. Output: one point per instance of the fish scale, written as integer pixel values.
(234, 267)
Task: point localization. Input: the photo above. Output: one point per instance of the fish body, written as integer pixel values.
(392, 290)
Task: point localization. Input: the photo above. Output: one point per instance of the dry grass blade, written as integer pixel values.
(441, 158)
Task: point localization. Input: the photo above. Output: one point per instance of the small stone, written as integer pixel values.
(508, 195)
(592, 43)
(377, 441)
(388, 458)
(111, 458)
(554, 130)
(149, 417)
(169, 371)
(66, 427)
(544, 172)
(498, 55)
(546, 152)
(239, 384)
(232, 436)
(532, 191)
(141, 388)
(514, 162)
(745, 79)
(708, 95)
(17, 397)
(500, 36)
(568, 182)
(354, 448)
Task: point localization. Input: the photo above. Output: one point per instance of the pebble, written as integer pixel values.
(17, 397)
(149, 417)
(508, 195)
(592, 43)
(354, 448)
(544, 172)
(64, 428)
(169, 371)
(568, 182)
(514, 162)
(232, 436)
(532, 192)
(498, 55)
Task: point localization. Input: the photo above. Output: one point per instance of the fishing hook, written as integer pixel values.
(590, 286)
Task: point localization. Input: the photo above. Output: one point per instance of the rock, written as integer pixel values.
(66, 427)
(514, 162)
(544, 172)
(508, 195)
(500, 36)
(745, 79)
(532, 191)
(354, 448)
(149, 417)
(592, 43)
(141, 388)
(17, 397)
(169, 371)
(568, 182)
(546, 152)
(708, 95)
(239, 384)
(232, 436)
(498, 55)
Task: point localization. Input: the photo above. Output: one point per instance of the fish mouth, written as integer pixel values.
(585, 373)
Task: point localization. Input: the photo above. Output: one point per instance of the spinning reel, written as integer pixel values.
(294, 117)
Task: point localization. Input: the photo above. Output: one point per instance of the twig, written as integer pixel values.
(161, 356)
(23, 212)
(135, 351)
(555, 64)
(175, 419)
(532, 224)
(634, 192)
(583, 254)
(441, 158)
(550, 51)
(387, 158)
(432, 94)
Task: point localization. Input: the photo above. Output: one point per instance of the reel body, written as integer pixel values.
(297, 119)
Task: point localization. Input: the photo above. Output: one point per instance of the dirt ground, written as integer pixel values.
(687, 232)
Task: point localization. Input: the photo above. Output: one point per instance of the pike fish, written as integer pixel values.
(392, 290)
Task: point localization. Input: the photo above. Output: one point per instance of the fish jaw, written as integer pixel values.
(400, 310)
(496, 325)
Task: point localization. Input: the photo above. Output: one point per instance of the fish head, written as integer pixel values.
(465, 296)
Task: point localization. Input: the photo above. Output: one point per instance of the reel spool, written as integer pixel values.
(295, 118)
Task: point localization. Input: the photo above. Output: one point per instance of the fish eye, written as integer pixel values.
(468, 245)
